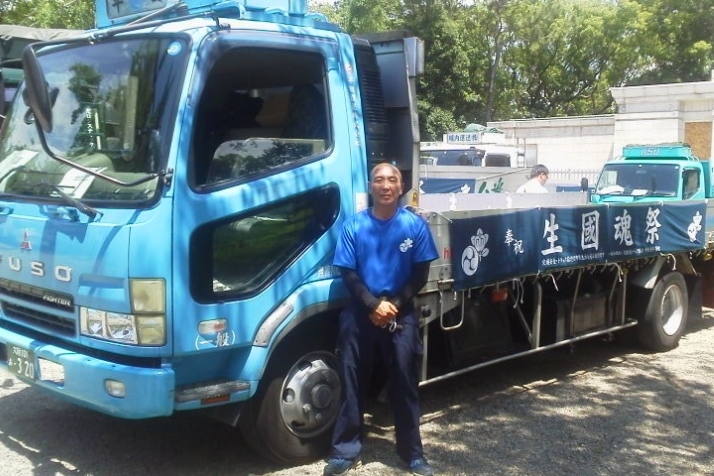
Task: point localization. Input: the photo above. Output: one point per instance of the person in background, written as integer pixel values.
(536, 183)
(384, 254)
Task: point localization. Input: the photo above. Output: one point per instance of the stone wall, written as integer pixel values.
(562, 143)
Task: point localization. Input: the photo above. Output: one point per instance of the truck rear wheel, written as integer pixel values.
(664, 321)
(291, 417)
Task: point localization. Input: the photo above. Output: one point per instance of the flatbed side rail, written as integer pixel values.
(473, 245)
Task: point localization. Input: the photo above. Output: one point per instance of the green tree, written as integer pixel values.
(677, 42)
(487, 36)
(446, 95)
(331, 10)
(368, 16)
(568, 53)
(72, 14)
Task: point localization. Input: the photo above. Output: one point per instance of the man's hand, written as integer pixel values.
(385, 312)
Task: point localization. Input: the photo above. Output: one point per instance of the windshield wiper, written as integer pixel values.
(166, 175)
(70, 200)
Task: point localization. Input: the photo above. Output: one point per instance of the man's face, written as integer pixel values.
(542, 178)
(385, 186)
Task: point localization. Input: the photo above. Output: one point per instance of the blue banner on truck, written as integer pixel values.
(493, 248)
(647, 230)
(570, 237)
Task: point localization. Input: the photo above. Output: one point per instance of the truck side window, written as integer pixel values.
(261, 110)
(238, 257)
(691, 183)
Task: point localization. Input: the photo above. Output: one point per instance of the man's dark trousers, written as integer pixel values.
(357, 344)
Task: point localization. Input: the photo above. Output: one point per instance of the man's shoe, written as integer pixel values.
(420, 467)
(340, 466)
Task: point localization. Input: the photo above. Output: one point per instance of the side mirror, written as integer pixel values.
(37, 95)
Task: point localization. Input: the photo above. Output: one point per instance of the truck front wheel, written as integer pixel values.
(290, 419)
(664, 321)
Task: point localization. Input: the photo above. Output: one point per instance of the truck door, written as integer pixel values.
(265, 171)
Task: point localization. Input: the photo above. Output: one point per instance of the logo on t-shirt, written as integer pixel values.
(406, 244)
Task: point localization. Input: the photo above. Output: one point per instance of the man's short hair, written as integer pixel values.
(394, 168)
(538, 169)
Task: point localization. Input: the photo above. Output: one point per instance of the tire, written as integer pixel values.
(290, 419)
(664, 321)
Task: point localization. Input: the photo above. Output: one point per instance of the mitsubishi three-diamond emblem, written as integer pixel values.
(25, 243)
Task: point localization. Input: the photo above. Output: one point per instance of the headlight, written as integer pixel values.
(108, 325)
(152, 330)
(145, 326)
(123, 328)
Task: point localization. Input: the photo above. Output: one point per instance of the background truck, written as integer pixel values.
(654, 172)
(467, 165)
(13, 39)
(172, 186)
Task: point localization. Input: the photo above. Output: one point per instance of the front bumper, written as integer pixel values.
(81, 379)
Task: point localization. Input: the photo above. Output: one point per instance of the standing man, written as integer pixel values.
(384, 254)
(536, 184)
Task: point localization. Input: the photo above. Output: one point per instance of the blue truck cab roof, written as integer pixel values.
(658, 152)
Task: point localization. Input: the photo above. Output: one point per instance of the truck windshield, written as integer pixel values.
(113, 107)
(639, 180)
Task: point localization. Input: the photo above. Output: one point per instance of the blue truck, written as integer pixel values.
(172, 186)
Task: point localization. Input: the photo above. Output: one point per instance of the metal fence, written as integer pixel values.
(572, 176)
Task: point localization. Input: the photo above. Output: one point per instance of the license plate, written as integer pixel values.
(21, 362)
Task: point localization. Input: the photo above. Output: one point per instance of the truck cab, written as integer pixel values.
(664, 172)
(172, 186)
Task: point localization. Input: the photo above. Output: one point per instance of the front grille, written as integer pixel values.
(32, 317)
(53, 323)
(35, 295)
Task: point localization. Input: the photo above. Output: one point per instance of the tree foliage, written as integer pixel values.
(568, 68)
(70, 14)
(449, 63)
(502, 59)
(679, 36)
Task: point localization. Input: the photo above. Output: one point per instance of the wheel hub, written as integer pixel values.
(311, 395)
(322, 396)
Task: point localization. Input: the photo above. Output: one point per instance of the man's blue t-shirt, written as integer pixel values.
(382, 251)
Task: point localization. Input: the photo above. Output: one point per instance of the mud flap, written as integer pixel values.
(695, 286)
